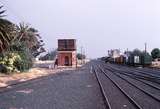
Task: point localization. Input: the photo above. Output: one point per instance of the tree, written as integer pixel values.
(2, 12)
(49, 56)
(36, 43)
(18, 45)
(7, 31)
(137, 52)
(81, 56)
(31, 38)
(155, 53)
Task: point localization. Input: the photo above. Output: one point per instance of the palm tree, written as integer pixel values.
(2, 12)
(22, 30)
(27, 35)
(31, 38)
(6, 28)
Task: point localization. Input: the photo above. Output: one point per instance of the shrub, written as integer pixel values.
(25, 63)
(7, 62)
(26, 57)
(15, 62)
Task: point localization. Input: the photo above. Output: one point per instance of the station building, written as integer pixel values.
(67, 52)
(114, 53)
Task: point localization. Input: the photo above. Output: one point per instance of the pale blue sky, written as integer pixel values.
(98, 25)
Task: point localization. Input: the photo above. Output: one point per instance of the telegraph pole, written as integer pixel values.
(81, 55)
(84, 56)
(127, 49)
(145, 47)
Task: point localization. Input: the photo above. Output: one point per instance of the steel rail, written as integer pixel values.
(134, 77)
(129, 98)
(108, 106)
(144, 91)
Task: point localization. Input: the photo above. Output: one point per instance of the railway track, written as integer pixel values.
(137, 74)
(157, 71)
(111, 99)
(141, 78)
(145, 86)
(108, 106)
(142, 94)
(148, 72)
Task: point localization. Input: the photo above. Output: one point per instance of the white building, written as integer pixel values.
(114, 53)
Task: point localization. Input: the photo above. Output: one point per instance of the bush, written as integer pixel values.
(15, 62)
(26, 61)
(26, 57)
(17, 59)
(7, 62)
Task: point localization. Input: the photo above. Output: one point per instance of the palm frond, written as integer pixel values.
(2, 12)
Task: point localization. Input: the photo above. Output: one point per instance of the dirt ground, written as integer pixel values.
(40, 68)
(6, 80)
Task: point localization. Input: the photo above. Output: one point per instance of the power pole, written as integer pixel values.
(84, 56)
(81, 55)
(145, 47)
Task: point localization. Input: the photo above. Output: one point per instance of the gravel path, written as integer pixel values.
(67, 90)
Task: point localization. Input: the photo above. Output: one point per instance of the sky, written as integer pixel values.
(98, 25)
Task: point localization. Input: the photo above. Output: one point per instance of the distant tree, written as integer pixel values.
(145, 53)
(81, 56)
(155, 53)
(137, 52)
(49, 56)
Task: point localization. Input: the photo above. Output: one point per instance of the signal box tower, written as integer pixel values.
(67, 55)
